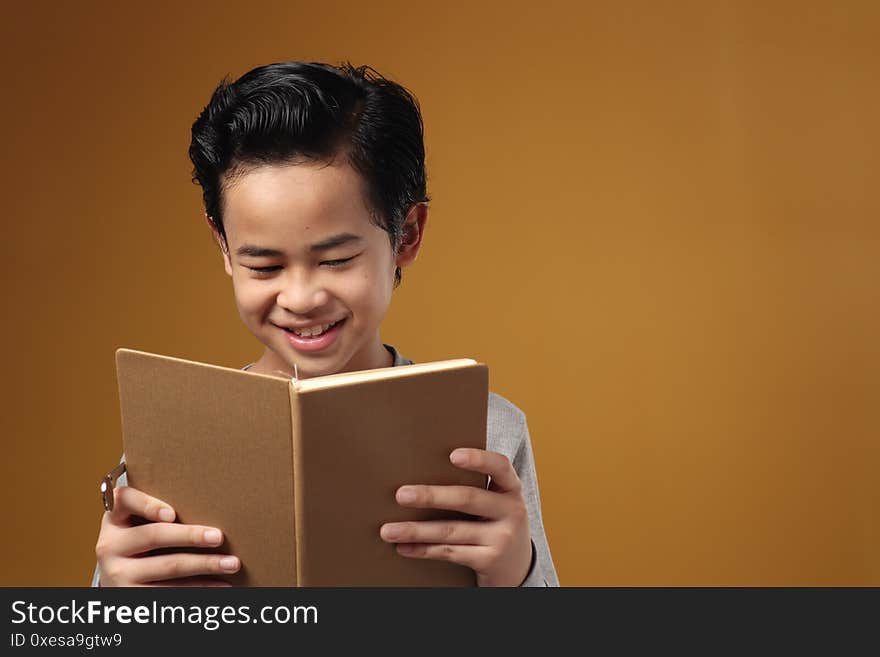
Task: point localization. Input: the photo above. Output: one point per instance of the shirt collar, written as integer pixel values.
(398, 359)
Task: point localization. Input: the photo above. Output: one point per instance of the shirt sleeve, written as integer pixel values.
(542, 571)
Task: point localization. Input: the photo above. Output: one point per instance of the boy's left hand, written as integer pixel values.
(497, 546)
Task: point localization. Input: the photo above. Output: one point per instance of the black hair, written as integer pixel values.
(284, 112)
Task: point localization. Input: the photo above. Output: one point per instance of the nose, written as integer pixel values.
(301, 293)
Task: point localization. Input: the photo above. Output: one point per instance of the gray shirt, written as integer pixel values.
(506, 433)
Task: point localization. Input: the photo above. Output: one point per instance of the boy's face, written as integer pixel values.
(297, 210)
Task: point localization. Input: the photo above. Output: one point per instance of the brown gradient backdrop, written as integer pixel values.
(657, 223)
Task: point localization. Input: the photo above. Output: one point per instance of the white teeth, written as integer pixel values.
(313, 331)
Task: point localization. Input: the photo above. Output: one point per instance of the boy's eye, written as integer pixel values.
(337, 263)
(264, 270)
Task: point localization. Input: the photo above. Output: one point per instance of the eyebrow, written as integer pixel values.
(255, 251)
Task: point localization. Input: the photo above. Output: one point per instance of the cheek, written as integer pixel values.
(366, 294)
(250, 297)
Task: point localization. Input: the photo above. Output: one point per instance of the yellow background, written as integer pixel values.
(656, 222)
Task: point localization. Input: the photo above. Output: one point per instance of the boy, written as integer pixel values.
(313, 179)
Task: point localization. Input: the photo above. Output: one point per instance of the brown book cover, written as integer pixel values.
(300, 475)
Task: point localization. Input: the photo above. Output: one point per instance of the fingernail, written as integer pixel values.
(458, 458)
(212, 536)
(229, 563)
(391, 531)
(406, 495)
(405, 548)
(166, 514)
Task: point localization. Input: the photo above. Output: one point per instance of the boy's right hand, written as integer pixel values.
(123, 546)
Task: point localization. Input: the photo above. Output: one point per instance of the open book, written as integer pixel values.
(300, 475)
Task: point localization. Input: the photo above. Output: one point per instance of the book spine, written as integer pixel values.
(298, 479)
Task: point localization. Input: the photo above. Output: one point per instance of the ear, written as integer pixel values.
(413, 232)
(221, 243)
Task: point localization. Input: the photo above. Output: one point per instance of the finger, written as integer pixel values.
(182, 565)
(128, 501)
(143, 538)
(493, 464)
(457, 532)
(192, 581)
(467, 499)
(472, 556)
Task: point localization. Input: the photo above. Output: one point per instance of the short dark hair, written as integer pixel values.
(284, 112)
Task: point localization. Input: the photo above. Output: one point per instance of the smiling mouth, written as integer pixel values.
(315, 331)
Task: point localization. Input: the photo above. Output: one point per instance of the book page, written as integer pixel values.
(346, 378)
